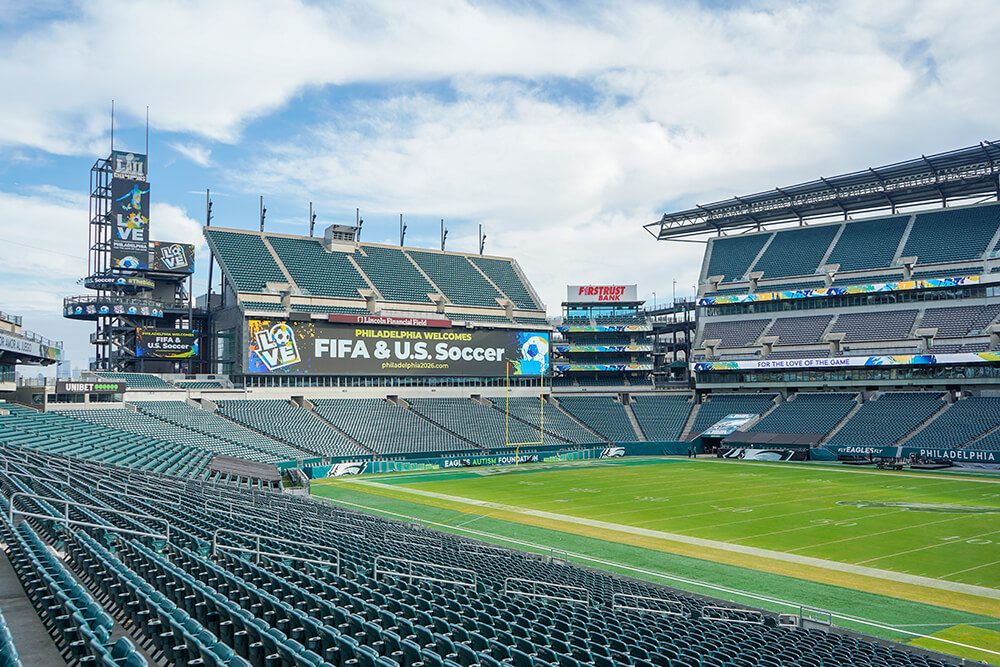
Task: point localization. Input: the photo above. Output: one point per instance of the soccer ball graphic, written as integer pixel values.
(129, 262)
(535, 348)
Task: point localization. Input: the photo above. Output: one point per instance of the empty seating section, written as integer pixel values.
(868, 244)
(550, 417)
(957, 321)
(477, 423)
(745, 289)
(8, 652)
(799, 330)
(393, 274)
(795, 252)
(324, 308)
(457, 278)
(884, 325)
(385, 428)
(843, 281)
(292, 424)
(602, 414)
(503, 275)
(790, 287)
(317, 271)
(731, 256)
(199, 384)
(885, 420)
(734, 333)
(266, 306)
(144, 424)
(960, 347)
(919, 274)
(807, 413)
(989, 442)
(531, 321)
(777, 352)
(78, 625)
(965, 420)
(209, 423)
(187, 604)
(662, 417)
(952, 235)
(137, 380)
(475, 317)
(716, 406)
(59, 434)
(246, 259)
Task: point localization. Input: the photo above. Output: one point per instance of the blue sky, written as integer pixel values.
(561, 127)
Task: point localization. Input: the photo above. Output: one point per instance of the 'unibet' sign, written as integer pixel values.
(70, 387)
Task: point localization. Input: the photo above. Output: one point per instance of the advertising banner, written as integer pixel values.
(601, 293)
(848, 362)
(133, 283)
(110, 306)
(728, 424)
(166, 343)
(101, 387)
(131, 166)
(389, 321)
(618, 368)
(171, 257)
(130, 210)
(626, 328)
(958, 281)
(767, 454)
(11, 342)
(604, 348)
(322, 348)
(133, 255)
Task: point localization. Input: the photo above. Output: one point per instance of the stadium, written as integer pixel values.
(353, 453)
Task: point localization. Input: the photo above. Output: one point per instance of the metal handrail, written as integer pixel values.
(478, 549)
(307, 522)
(216, 547)
(74, 522)
(432, 542)
(423, 577)
(674, 603)
(733, 620)
(507, 590)
(171, 503)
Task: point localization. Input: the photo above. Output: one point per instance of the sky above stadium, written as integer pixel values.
(561, 127)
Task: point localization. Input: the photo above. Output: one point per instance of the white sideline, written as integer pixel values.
(662, 575)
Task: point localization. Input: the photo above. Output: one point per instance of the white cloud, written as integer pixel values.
(562, 133)
(208, 68)
(197, 153)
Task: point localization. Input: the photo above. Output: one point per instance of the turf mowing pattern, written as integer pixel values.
(941, 527)
(635, 489)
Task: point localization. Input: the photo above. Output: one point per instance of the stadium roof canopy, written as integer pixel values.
(967, 172)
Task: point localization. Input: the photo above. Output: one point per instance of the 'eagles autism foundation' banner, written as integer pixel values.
(321, 348)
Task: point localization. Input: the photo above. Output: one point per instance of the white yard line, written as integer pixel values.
(931, 546)
(979, 591)
(886, 532)
(813, 525)
(970, 569)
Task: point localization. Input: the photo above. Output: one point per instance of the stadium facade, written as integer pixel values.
(334, 312)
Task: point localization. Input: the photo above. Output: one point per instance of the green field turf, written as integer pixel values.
(645, 491)
(934, 526)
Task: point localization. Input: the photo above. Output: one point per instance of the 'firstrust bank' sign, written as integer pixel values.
(601, 293)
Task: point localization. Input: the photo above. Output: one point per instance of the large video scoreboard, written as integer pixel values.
(387, 348)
